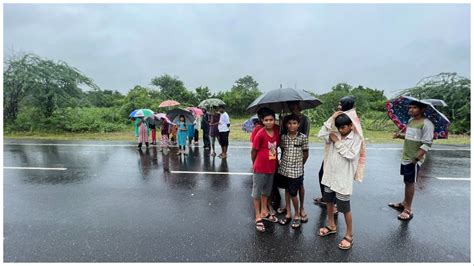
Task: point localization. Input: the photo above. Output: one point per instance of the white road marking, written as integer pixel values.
(453, 178)
(34, 168)
(209, 173)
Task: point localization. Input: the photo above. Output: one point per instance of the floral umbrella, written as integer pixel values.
(397, 110)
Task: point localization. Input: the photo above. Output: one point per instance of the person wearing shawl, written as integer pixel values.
(346, 103)
(344, 144)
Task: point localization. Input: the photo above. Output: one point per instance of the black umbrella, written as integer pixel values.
(278, 99)
(175, 113)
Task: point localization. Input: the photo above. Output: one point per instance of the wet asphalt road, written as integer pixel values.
(115, 204)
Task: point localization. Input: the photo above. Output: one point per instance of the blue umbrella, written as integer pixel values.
(397, 110)
(249, 124)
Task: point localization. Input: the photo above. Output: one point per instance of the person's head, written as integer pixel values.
(346, 103)
(294, 107)
(133, 119)
(182, 119)
(261, 111)
(416, 109)
(221, 109)
(268, 119)
(343, 124)
(292, 123)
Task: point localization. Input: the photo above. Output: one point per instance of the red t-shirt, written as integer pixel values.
(266, 146)
(255, 131)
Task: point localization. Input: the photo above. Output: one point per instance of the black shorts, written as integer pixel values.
(343, 201)
(409, 172)
(224, 138)
(294, 185)
(281, 181)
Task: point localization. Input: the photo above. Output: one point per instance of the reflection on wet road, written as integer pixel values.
(114, 203)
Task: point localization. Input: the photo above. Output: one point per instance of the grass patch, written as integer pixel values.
(237, 134)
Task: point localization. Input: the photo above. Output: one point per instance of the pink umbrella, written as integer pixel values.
(169, 103)
(162, 115)
(196, 111)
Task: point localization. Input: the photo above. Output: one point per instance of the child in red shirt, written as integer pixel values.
(265, 163)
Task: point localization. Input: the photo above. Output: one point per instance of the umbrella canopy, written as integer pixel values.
(141, 113)
(155, 119)
(160, 116)
(196, 111)
(436, 102)
(277, 100)
(175, 113)
(169, 103)
(249, 125)
(397, 110)
(212, 102)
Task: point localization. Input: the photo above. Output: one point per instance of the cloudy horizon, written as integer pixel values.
(388, 47)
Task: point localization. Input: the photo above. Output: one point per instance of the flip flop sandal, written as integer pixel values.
(259, 226)
(329, 232)
(304, 218)
(397, 206)
(410, 215)
(351, 242)
(270, 218)
(285, 221)
(281, 211)
(296, 224)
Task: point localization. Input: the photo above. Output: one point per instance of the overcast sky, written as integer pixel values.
(312, 46)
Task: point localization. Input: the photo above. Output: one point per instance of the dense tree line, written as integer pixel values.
(43, 95)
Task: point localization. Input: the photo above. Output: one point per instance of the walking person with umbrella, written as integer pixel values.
(418, 138)
(142, 133)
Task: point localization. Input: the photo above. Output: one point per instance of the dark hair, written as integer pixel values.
(222, 106)
(347, 103)
(261, 111)
(182, 117)
(292, 118)
(268, 112)
(419, 104)
(343, 120)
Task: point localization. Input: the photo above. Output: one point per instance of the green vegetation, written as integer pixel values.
(47, 99)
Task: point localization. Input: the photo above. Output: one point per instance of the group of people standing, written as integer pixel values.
(214, 124)
(343, 162)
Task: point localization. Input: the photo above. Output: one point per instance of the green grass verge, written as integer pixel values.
(237, 134)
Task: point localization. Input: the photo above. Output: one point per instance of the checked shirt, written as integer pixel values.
(291, 162)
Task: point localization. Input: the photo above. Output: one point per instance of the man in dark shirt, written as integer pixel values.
(205, 130)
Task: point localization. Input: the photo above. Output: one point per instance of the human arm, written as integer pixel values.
(426, 140)
(349, 150)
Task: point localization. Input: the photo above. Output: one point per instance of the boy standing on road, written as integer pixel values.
(341, 161)
(418, 139)
(294, 146)
(265, 161)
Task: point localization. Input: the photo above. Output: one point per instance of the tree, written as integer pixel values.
(202, 93)
(455, 90)
(172, 88)
(46, 84)
(243, 92)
